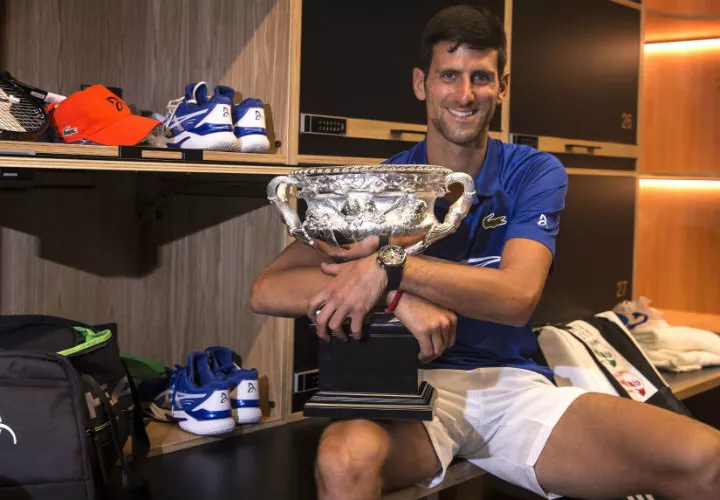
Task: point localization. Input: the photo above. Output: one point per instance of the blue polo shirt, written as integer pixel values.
(520, 194)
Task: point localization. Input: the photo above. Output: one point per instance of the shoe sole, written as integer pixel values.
(256, 143)
(204, 427)
(219, 141)
(246, 415)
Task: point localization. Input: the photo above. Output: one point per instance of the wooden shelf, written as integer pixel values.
(169, 437)
(688, 384)
(679, 176)
(336, 160)
(704, 321)
(36, 155)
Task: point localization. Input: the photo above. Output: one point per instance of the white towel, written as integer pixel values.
(680, 348)
(680, 338)
(679, 361)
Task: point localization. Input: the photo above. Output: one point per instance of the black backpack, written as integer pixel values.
(67, 409)
(584, 353)
(587, 349)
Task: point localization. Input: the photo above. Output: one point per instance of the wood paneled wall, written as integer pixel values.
(681, 112)
(684, 6)
(678, 240)
(82, 251)
(678, 245)
(680, 98)
(662, 28)
(152, 48)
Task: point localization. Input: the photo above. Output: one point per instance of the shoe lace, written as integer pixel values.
(170, 110)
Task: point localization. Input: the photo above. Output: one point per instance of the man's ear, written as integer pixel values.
(504, 87)
(419, 83)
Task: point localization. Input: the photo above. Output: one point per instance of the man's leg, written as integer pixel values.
(359, 459)
(608, 447)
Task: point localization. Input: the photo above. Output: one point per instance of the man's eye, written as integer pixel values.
(447, 75)
(482, 78)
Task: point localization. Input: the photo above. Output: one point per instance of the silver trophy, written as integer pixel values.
(375, 378)
(349, 203)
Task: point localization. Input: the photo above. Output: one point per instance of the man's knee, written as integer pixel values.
(699, 463)
(351, 448)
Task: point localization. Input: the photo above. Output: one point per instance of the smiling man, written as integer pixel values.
(468, 301)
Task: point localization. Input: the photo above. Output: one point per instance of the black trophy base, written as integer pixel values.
(372, 406)
(374, 378)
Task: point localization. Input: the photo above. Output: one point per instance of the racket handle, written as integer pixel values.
(46, 97)
(51, 98)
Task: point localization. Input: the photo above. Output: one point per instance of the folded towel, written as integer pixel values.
(680, 361)
(679, 338)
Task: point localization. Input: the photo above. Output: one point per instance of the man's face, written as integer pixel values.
(461, 91)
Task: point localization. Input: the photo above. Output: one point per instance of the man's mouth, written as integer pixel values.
(462, 113)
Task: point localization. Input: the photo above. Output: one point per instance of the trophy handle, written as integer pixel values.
(277, 194)
(456, 213)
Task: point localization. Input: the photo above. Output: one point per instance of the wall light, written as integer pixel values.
(683, 45)
(684, 184)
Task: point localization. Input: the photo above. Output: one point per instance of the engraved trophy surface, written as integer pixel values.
(376, 377)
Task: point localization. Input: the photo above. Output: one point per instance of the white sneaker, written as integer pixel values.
(249, 126)
(198, 122)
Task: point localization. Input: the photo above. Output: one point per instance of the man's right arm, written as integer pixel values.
(285, 288)
(286, 285)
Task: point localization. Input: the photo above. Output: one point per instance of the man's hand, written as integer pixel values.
(433, 326)
(346, 253)
(354, 290)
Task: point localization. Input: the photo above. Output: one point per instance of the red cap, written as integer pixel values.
(98, 115)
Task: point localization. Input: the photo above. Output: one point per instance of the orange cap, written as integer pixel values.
(98, 115)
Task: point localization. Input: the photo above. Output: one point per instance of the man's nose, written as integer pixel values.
(467, 93)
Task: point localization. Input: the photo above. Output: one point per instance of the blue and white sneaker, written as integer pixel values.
(248, 119)
(244, 397)
(201, 399)
(198, 122)
(160, 408)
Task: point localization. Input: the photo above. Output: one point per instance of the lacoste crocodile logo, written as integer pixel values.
(491, 222)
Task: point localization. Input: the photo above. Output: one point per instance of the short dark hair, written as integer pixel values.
(469, 25)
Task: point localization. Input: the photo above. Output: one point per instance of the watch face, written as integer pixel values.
(391, 255)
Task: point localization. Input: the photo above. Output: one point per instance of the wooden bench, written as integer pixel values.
(683, 385)
(278, 463)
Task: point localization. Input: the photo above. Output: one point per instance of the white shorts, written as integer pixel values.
(499, 419)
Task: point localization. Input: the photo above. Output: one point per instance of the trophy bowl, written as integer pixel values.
(346, 204)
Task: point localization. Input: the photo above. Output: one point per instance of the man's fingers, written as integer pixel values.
(426, 348)
(316, 303)
(331, 251)
(438, 343)
(453, 332)
(356, 325)
(352, 251)
(331, 269)
(321, 320)
(336, 323)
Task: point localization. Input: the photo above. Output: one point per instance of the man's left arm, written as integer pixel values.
(506, 295)
(509, 294)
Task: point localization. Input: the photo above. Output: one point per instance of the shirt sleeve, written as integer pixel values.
(539, 201)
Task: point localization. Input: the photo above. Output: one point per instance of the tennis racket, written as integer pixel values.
(22, 117)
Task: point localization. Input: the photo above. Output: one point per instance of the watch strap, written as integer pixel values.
(394, 276)
(384, 239)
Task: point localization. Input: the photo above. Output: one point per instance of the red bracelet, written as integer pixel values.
(393, 304)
